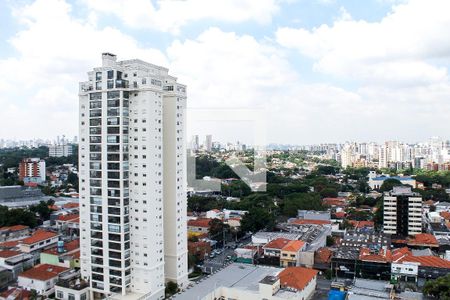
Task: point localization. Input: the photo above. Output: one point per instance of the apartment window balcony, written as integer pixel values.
(114, 237)
(115, 263)
(113, 148)
(95, 122)
(113, 157)
(96, 226)
(113, 121)
(95, 183)
(95, 156)
(95, 165)
(114, 103)
(97, 252)
(113, 112)
(97, 270)
(95, 174)
(116, 281)
(114, 184)
(121, 83)
(114, 246)
(95, 104)
(96, 243)
(96, 218)
(113, 130)
(114, 202)
(97, 277)
(96, 235)
(113, 193)
(114, 228)
(96, 192)
(97, 260)
(113, 175)
(96, 200)
(113, 166)
(113, 220)
(115, 272)
(95, 139)
(98, 285)
(96, 209)
(115, 289)
(95, 96)
(95, 113)
(95, 148)
(113, 139)
(116, 255)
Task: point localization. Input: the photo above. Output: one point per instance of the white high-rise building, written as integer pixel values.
(132, 179)
(208, 142)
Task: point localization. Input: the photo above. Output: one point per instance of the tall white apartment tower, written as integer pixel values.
(132, 179)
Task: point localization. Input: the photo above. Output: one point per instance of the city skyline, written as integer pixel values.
(321, 70)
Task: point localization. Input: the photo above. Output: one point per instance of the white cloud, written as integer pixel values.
(404, 48)
(171, 16)
(55, 50)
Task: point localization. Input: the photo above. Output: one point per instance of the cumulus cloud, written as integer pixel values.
(171, 16)
(405, 47)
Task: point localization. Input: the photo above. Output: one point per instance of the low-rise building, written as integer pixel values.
(40, 240)
(290, 253)
(14, 232)
(199, 226)
(41, 278)
(15, 261)
(64, 255)
(71, 287)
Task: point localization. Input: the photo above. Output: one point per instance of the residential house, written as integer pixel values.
(14, 232)
(15, 261)
(290, 253)
(40, 240)
(64, 255)
(41, 278)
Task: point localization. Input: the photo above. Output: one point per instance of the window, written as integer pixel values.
(59, 295)
(83, 296)
(110, 74)
(98, 76)
(98, 85)
(71, 296)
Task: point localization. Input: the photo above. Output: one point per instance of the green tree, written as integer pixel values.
(329, 192)
(330, 241)
(389, 184)
(438, 288)
(258, 218)
(171, 288)
(294, 202)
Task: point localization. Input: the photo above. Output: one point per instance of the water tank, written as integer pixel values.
(60, 246)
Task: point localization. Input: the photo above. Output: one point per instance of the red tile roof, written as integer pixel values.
(68, 217)
(428, 261)
(43, 272)
(9, 253)
(445, 215)
(423, 239)
(9, 244)
(382, 256)
(296, 277)
(309, 221)
(277, 244)
(293, 246)
(199, 222)
(334, 202)
(68, 247)
(400, 253)
(361, 224)
(340, 214)
(38, 236)
(71, 205)
(323, 255)
(16, 293)
(14, 228)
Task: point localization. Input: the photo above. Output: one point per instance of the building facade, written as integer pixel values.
(60, 150)
(132, 179)
(402, 212)
(32, 171)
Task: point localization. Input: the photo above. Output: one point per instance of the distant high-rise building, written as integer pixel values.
(132, 179)
(195, 142)
(208, 142)
(402, 212)
(32, 171)
(60, 150)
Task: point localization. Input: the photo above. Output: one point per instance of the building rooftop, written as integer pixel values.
(9, 253)
(428, 261)
(423, 239)
(293, 246)
(204, 222)
(68, 248)
(310, 221)
(14, 228)
(43, 272)
(278, 243)
(296, 277)
(38, 236)
(236, 275)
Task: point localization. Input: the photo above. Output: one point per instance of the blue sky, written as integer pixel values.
(321, 70)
